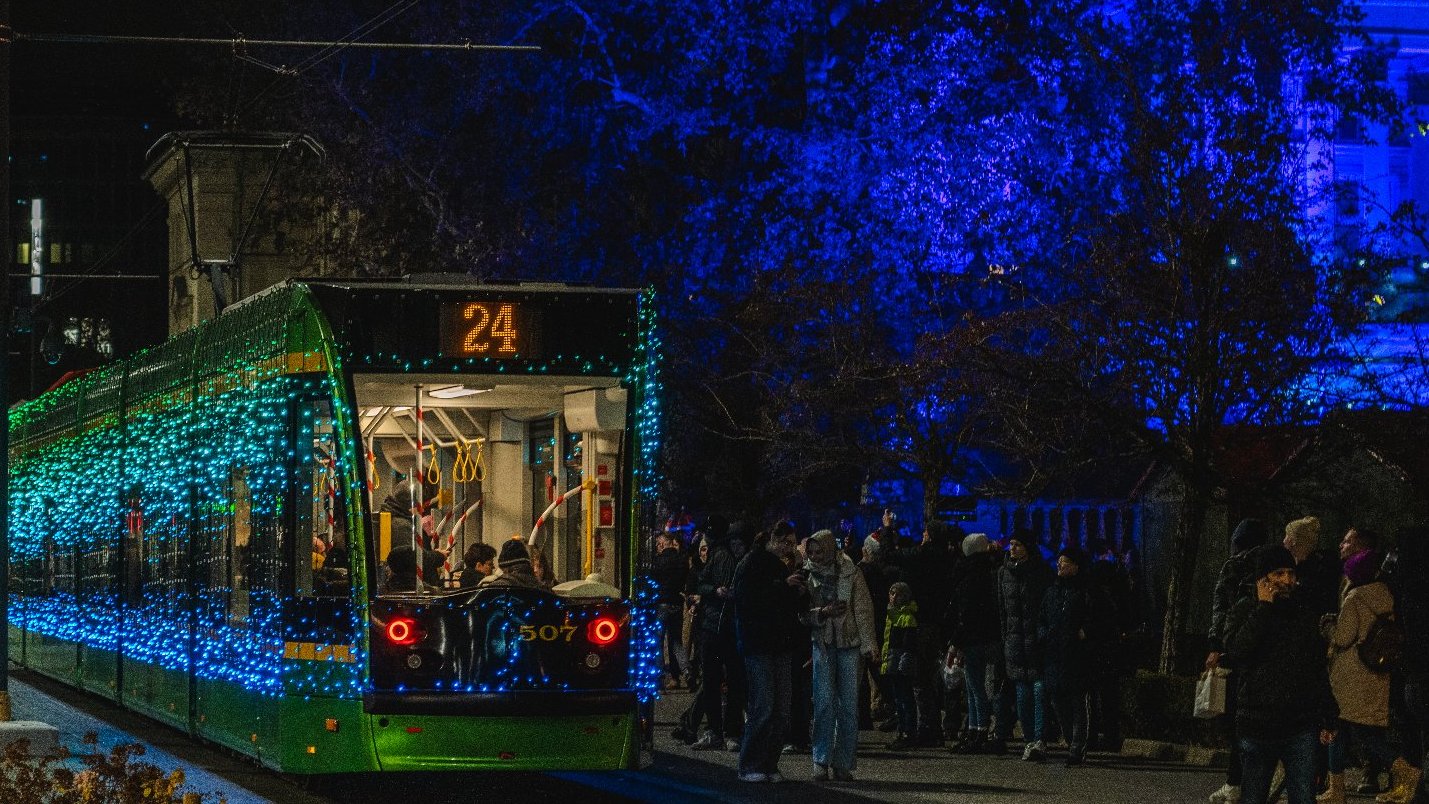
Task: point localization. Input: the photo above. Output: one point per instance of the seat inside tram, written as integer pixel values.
(487, 458)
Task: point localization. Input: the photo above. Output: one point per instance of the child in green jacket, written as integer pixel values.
(900, 652)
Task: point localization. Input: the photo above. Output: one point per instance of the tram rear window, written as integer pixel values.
(461, 461)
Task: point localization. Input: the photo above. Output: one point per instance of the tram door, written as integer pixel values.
(554, 463)
(596, 420)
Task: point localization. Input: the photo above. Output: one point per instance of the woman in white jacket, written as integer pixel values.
(841, 616)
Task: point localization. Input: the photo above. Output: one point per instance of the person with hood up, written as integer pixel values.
(840, 615)
(1283, 692)
(1236, 582)
(1021, 584)
(1362, 694)
(514, 561)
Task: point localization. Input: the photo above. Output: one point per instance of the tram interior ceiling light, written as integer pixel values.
(456, 391)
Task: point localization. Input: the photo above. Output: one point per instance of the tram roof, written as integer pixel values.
(312, 321)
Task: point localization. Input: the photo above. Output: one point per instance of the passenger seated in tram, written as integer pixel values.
(541, 567)
(402, 564)
(480, 561)
(515, 564)
(404, 505)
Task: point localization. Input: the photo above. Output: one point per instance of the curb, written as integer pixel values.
(1172, 752)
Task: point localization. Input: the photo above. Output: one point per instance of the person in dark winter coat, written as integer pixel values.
(405, 506)
(1285, 704)
(1410, 585)
(480, 561)
(514, 561)
(768, 599)
(720, 664)
(975, 633)
(1236, 582)
(669, 570)
(930, 575)
(1073, 624)
(1317, 571)
(1109, 659)
(1022, 581)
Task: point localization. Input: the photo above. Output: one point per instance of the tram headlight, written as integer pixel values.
(602, 631)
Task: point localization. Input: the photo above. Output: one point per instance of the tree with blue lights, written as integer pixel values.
(1198, 299)
(886, 236)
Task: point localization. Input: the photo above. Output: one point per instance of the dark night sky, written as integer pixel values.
(82, 118)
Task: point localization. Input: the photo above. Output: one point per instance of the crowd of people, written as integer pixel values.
(954, 640)
(1328, 653)
(960, 640)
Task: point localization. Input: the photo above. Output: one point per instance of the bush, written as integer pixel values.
(1157, 706)
(113, 778)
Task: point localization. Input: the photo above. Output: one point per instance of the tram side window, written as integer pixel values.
(320, 553)
(97, 566)
(237, 564)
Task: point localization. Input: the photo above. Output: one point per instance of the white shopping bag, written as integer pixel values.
(1211, 693)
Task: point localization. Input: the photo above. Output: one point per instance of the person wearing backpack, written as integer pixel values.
(1360, 642)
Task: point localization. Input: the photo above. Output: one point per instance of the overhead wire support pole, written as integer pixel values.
(240, 43)
(6, 37)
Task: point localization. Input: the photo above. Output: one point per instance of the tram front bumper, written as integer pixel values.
(528, 730)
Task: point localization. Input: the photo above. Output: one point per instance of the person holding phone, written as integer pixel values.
(1274, 647)
(840, 615)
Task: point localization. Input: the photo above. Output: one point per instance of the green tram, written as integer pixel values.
(201, 533)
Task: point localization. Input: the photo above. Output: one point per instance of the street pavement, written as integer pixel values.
(675, 774)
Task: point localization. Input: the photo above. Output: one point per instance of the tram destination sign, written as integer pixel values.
(503, 330)
(556, 330)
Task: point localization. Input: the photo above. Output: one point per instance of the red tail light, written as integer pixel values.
(602, 631)
(403, 631)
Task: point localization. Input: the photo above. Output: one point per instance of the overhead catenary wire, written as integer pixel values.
(241, 42)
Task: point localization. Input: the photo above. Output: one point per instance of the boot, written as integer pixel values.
(1404, 783)
(1334, 790)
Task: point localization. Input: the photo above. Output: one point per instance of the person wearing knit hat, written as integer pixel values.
(975, 543)
(514, 561)
(1075, 554)
(1284, 702)
(1250, 533)
(1362, 693)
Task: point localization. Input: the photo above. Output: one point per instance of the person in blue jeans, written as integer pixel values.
(768, 599)
(976, 632)
(840, 615)
(1021, 583)
(1277, 657)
